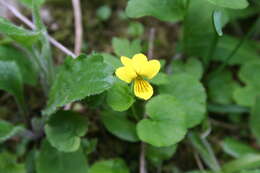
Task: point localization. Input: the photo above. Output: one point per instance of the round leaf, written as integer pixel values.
(64, 130)
(109, 166)
(167, 123)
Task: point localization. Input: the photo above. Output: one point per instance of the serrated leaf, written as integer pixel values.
(8, 164)
(77, 79)
(221, 87)
(255, 119)
(190, 93)
(236, 148)
(165, 10)
(19, 34)
(11, 80)
(64, 130)
(118, 124)
(111, 60)
(249, 74)
(120, 97)
(167, 118)
(109, 166)
(123, 47)
(53, 161)
(28, 71)
(8, 130)
(233, 4)
(192, 67)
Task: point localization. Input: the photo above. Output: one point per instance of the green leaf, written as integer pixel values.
(255, 119)
(236, 148)
(166, 118)
(225, 46)
(192, 67)
(165, 10)
(199, 32)
(53, 161)
(120, 97)
(29, 4)
(249, 74)
(221, 87)
(123, 47)
(250, 171)
(190, 93)
(160, 79)
(233, 4)
(8, 130)
(28, 71)
(11, 80)
(8, 164)
(109, 166)
(111, 60)
(217, 19)
(158, 154)
(135, 29)
(205, 150)
(19, 34)
(249, 161)
(77, 79)
(64, 130)
(118, 124)
(104, 12)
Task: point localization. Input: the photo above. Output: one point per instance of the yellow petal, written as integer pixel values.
(150, 69)
(138, 61)
(126, 61)
(143, 89)
(126, 74)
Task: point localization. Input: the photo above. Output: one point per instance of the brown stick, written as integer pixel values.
(25, 20)
(78, 26)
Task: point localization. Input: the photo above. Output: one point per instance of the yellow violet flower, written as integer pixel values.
(138, 69)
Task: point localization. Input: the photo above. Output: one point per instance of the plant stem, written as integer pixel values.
(32, 26)
(78, 26)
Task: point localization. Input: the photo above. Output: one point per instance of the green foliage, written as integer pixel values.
(160, 79)
(111, 60)
(218, 24)
(75, 82)
(158, 154)
(167, 118)
(19, 34)
(53, 161)
(119, 125)
(135, 29)
(236, 148)
(109, 166)
(249, 161)
(166, 10)
(190, 93)
(226, 44)
(199, 35)
(221, 87)
(192, 67)
(8, 164)
(8, 130)
(29, 3)
(120, 97)
(64, 130)
(234, 4)
(104, 12)
(11, 80)
(255, 119)
(28, 71)
(123, 47)
(246, 96)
